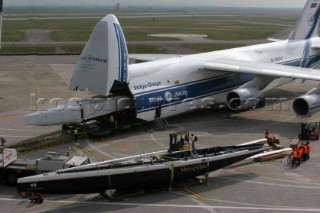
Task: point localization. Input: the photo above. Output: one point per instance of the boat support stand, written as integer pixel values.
(114, 195)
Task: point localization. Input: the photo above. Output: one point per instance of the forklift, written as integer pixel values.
(310, 131)
(179, 141)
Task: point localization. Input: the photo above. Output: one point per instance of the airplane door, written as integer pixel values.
(158, 111)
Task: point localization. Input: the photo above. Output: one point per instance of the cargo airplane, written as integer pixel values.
(238, 77)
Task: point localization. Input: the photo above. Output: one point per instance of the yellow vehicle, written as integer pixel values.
(180, 141)
(310, 131)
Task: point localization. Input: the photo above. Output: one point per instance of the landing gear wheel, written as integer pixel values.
(261, 103)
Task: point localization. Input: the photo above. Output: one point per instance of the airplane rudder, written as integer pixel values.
(313, 19)
(307, 24)
(104, 59)
(118, 46)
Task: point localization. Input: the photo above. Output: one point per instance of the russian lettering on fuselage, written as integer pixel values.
(168, 96)
(147, 85)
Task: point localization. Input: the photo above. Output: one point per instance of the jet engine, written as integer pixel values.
(307, 104)
(243, 98)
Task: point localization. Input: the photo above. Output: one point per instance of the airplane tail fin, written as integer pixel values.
(104, 60)
(307, 25)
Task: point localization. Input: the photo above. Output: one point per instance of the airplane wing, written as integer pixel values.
(261, 68)
(152, 57)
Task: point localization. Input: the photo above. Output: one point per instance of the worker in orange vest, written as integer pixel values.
(295, 148)
(305, 152)
(300, 154)
(308, 150)
(295, 157)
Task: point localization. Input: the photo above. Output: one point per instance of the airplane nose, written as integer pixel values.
(32, 119)
(55, 116)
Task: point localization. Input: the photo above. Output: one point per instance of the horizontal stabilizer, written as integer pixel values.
(104, 59)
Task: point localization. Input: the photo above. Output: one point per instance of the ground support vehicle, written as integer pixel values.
(12, 167)
(310, 131)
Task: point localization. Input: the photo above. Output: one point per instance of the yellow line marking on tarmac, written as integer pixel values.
(5, 116)
(186, 189)
(117, 144)
(88, 152)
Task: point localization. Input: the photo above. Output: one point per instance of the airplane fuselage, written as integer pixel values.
(239, 77)
(181, 84)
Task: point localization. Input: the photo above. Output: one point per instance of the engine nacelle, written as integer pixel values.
(243, 98)
(307, 104)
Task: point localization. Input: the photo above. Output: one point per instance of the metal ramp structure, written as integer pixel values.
(161, 123)
(43, 141)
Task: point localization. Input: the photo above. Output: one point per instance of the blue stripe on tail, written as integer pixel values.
(314, 24)
(123, 55)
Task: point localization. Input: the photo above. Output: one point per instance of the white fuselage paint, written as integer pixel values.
(175, 83)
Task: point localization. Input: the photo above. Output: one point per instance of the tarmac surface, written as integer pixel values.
(244, 187)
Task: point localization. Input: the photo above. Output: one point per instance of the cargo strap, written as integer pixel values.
(172, 175)
(191, 151)
(158, 157)
(208, 170)
(109, 177)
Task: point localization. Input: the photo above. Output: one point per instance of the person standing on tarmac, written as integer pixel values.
(75, 133)
(295, 157)
(308, 150)
(193, 140)
(2, 145)
(266, 134)
(300, 154)
(2, 140)
(305, 152)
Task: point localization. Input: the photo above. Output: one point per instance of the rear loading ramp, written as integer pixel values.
(80, 111)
